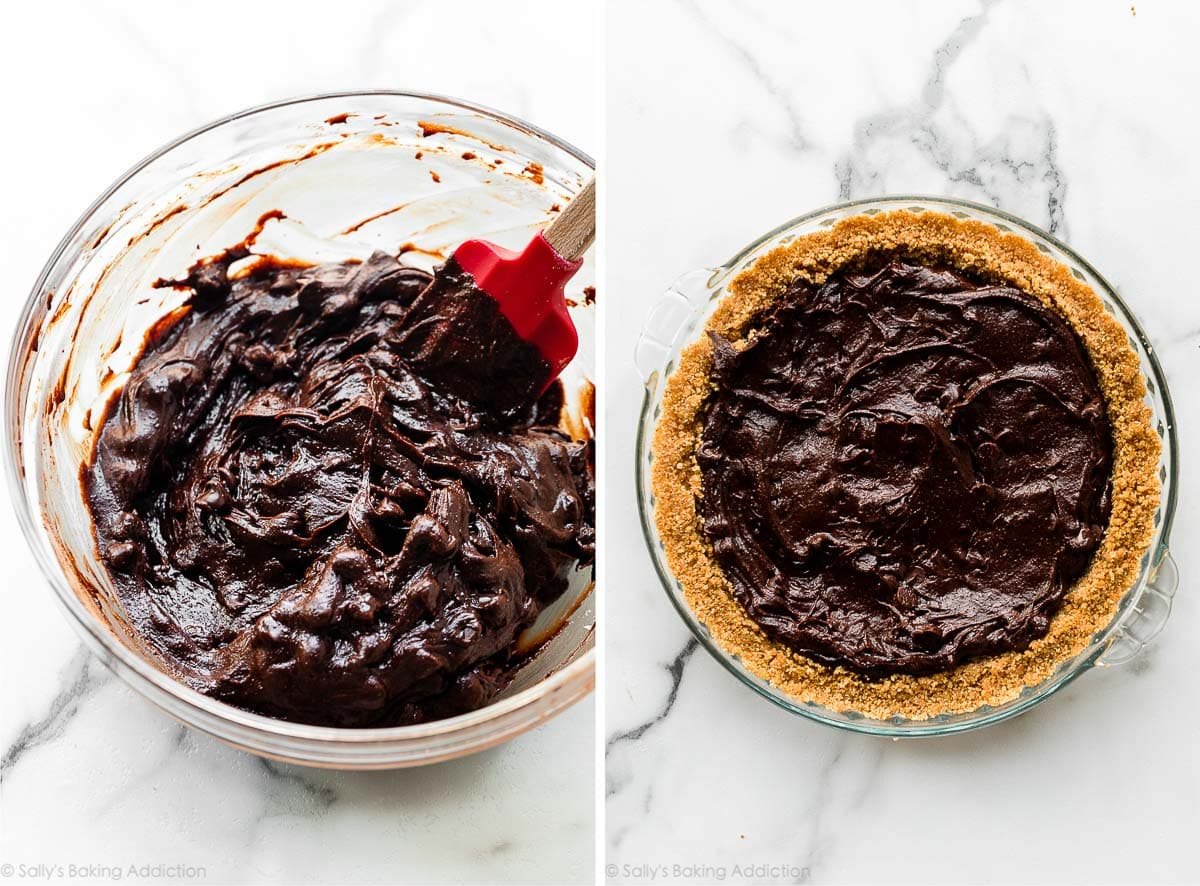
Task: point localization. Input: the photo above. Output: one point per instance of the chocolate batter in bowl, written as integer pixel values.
(309, 229)
(886, 480)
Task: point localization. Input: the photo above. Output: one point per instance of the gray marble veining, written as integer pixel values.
(1064, 118)
(92, 774)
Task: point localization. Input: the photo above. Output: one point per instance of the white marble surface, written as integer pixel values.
(90, 774)
(728, 118)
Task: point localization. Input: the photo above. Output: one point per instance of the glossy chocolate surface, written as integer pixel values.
(310, 510)
(904, 468)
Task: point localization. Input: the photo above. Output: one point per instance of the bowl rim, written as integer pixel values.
(983, 716)
(577, 678)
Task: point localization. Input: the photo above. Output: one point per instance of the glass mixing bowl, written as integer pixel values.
(677, 318)
(352, 173)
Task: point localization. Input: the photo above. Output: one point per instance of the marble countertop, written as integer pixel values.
(91, 774)
(1074, 116)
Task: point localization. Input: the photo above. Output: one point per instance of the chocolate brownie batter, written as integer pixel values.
(904, 468)
(326, 493)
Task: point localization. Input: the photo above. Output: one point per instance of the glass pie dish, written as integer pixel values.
(677, 319)
(351, 173)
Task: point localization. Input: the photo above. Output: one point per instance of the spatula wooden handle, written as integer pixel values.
(574, 230)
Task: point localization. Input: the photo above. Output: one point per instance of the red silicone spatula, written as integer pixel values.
(528, 285)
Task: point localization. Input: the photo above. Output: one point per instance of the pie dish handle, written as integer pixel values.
(669, 319)
(1149, 616)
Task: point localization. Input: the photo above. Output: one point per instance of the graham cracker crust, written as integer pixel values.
(981, 250)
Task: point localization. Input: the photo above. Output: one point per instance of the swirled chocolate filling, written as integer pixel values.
(904, 468)
(305, 512)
